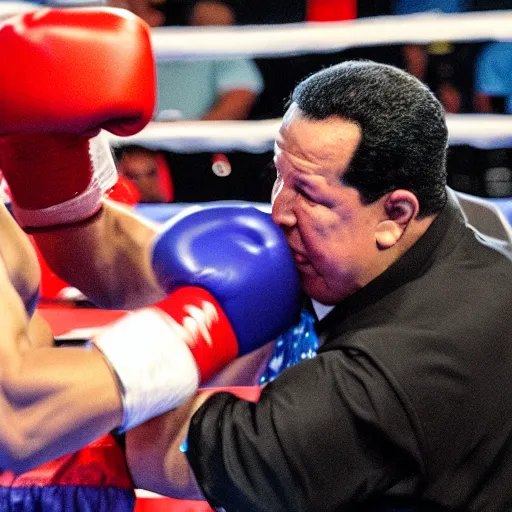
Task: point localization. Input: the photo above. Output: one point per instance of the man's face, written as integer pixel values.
(330, 231)
(141, 168)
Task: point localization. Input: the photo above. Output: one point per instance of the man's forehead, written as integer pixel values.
(324, 140)
(292, 114)
(292, 110)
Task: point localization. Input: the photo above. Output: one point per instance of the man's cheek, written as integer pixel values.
(315, 236)
(323, 224)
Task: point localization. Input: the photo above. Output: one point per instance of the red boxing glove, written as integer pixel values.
(84, 69)
(124, 192)
(75, 71)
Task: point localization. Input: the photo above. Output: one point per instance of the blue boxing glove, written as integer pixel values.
(241, 257)
(232, 286)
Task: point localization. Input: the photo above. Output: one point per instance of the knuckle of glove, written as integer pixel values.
(82, 69)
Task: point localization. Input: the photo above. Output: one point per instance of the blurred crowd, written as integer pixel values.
(468, 77)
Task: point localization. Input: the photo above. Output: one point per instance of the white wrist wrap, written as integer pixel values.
(155, 368)
(87, 203)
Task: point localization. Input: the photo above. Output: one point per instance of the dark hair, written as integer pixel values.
(130, 150)
(404, 135)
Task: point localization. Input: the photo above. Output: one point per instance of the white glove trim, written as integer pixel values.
(154, 365)
(86, 204)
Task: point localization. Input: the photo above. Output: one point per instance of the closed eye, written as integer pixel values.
(304, 194)
(304, 189)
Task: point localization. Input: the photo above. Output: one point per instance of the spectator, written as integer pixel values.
(493, 95)
(437, 64)
(206, 89)
(194, 90)
(148, 171)
(213, 90)
(493, 79)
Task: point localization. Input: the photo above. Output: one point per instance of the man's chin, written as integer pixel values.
(317, 291)
(316, 288)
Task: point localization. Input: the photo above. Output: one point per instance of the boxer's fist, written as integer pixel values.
(81, 70)
(241, 257)
(75, 71)
(162, 353)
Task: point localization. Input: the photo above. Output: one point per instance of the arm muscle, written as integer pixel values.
(107, 259)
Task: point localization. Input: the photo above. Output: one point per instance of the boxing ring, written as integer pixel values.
(75, 320)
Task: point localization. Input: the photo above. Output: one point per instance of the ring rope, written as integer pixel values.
(317, 37)
(314, 37)
(483, 131)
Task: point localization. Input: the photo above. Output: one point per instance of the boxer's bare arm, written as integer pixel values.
(154, 457)
(52, 400)
(153, 448)
(39, 332)
(22, 267)
(18, 255)
(108, 258)
(245, 370)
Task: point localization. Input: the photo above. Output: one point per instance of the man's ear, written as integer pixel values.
(400, 207)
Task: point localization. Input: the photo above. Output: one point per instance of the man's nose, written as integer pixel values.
(283, 208)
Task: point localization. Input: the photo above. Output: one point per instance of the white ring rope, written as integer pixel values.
(478, 130)
(300, 38)
(8, 9)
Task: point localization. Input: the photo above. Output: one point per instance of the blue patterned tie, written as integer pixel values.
(298, 343)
